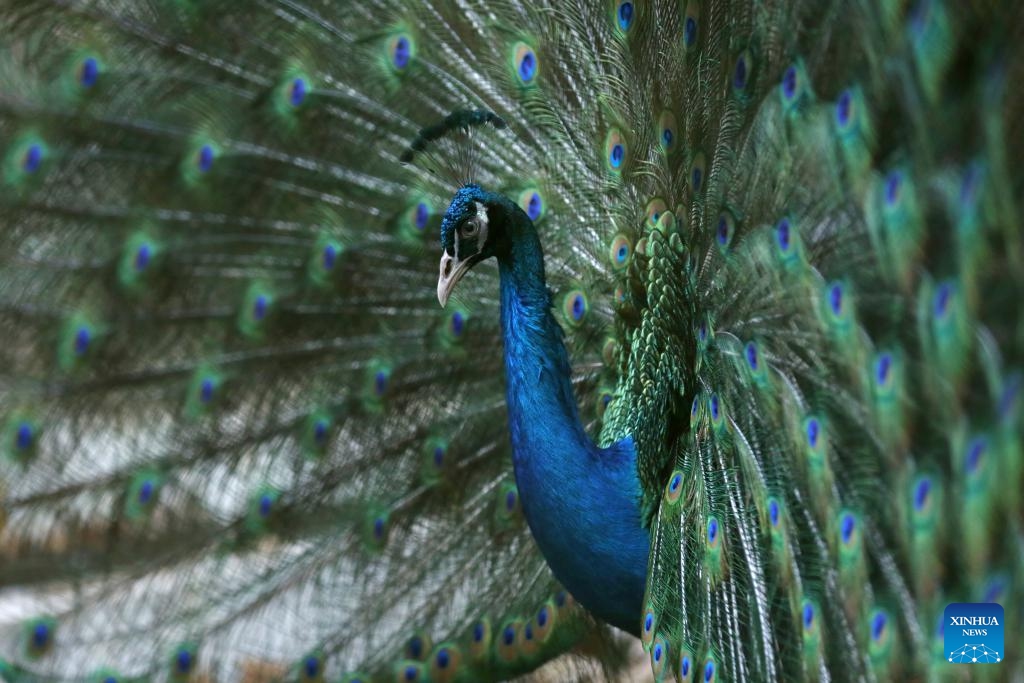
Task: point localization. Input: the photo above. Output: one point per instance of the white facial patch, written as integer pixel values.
(481, 213)
(481, 223)
(456, 264)
(483, 220)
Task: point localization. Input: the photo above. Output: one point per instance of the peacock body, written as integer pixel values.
(738, 372)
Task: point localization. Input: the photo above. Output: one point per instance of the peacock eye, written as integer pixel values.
(469, 229)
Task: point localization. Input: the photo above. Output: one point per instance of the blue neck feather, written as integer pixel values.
(582, 502)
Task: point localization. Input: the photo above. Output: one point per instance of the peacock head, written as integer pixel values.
(472, 230)
(474, 226)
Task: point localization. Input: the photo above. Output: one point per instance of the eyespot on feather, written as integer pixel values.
(674, 488)
(615, 151)
(525, 64)
(697, 175)
(655, 209)
(531, 201)
(621, 251)
(401, 52)
(575, 307)
(668, 132)
(691, 24)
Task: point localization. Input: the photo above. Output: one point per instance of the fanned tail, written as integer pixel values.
(782, 238)
(237, 429)
(830, 319)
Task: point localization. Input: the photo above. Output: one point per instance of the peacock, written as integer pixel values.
(438, 341)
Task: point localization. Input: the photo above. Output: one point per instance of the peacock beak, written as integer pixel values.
(452, 271)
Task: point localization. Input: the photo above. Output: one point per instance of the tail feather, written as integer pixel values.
(225, 440)
(782, 238)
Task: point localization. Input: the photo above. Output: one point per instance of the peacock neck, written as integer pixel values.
(580, 501)
(534, 342)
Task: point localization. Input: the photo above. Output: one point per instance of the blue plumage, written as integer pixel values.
(593, 538)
